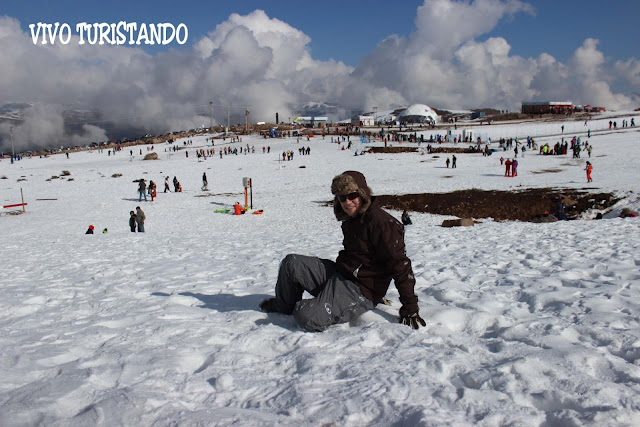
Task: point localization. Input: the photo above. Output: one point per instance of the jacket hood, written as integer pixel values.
(346, 183)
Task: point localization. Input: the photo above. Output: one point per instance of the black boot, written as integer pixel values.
(268, 305)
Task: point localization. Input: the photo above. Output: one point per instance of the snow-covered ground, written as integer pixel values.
(527, 324)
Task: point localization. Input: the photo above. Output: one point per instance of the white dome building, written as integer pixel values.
(419, 113)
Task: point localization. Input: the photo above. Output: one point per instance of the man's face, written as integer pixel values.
(351, 205)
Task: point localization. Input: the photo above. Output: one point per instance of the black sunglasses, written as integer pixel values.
(350, 196)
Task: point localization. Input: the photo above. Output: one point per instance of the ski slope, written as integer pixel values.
(527, 324)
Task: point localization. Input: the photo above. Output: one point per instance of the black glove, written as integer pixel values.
(414, 320)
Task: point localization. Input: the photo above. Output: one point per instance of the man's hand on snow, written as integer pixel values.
(413, 320)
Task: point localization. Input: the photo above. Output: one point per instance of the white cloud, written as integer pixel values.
(443, 25)
(267, 65)
(629, 71)
(45, 128)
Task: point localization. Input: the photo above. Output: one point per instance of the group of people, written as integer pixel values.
(177, 188)
(625, 123)
(236, 150)
(91, 228)
(136, 219)
(558, 149)
(452, 162)
(287, 155)
(136, 222)
(511, 167)
(202, 154)
(142, 190)
(151, 189)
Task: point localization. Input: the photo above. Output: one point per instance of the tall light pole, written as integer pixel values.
(211, 112)
(13, 153)
(375, 112)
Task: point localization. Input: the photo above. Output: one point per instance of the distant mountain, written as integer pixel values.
(75, 118)
(317, 109)
(13, 111)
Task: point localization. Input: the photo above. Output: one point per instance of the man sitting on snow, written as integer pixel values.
(373, 254)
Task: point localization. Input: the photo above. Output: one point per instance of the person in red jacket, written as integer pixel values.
(237, 209)
(589, 168)
(507, 169)
(373, 255)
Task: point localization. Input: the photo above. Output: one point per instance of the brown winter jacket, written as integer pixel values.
(374, 253)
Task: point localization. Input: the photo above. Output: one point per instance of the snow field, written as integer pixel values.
(527, 324)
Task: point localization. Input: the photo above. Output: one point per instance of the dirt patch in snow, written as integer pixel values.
(392, 150)
(434, 149)
(525, 205)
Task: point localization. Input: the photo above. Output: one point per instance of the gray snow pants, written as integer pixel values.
(336, 299)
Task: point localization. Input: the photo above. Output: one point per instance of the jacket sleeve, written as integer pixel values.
(390, 242)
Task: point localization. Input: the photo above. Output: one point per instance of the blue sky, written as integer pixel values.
(347, 30)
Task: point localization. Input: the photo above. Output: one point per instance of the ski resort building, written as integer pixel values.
(312, 122)
(419, 113)
(547, 107)
(362, 121)
(557, 108)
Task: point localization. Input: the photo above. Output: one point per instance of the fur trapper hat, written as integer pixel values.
(346, 183)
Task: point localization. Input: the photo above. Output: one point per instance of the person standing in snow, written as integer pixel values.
(142, 190)
(152, 189)
(589, 169)
(132, 221)
(373, 254)
(166, 184)
(453, 161)
(205, 184)
(140, 217)
(514, 168)
(507, 167)
(447, 162)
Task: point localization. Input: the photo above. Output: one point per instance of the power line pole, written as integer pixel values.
(228, 124)
(211, 112)
(13, 153)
